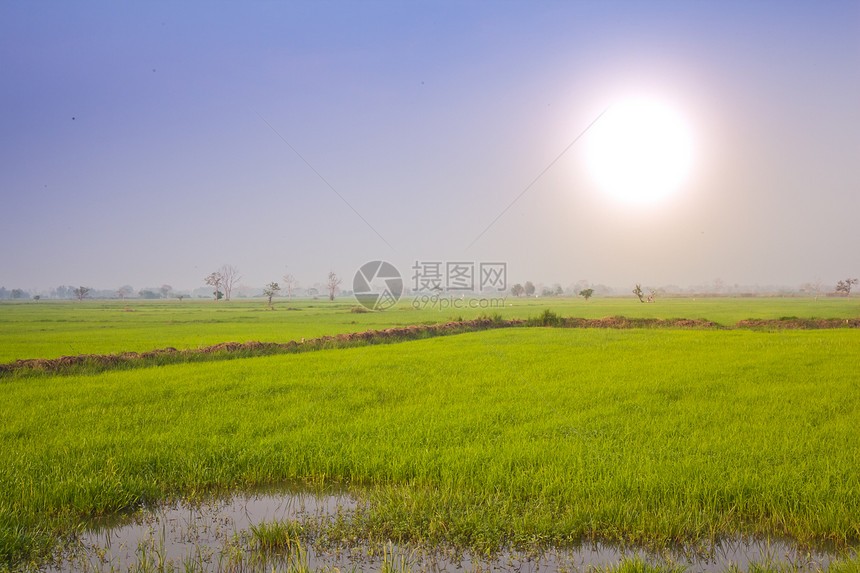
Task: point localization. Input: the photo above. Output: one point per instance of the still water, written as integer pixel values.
(215, 535)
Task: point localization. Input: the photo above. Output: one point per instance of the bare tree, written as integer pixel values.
(81, 292)
(215, 280)
(637, 290)
(230, 276)
(845, 287)
(290, 282)
(332, 284)
(812, 289)
(271, 290)
(124, 291)
(816, 287)
(165, 290)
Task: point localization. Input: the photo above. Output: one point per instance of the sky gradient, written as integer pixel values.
(148, 143)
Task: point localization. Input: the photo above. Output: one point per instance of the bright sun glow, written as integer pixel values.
(640, 150)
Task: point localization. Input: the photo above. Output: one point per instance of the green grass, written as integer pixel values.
(771, 565)
(49, 329)
(513, 436)
(53, 329)
(846, 565)
(637, 565)
(277, 536)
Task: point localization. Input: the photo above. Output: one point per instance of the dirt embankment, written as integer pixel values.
(801, 323)
(624, 322)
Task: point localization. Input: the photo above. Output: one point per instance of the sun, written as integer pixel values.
(640, 150)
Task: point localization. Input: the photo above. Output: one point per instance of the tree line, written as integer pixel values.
(225, 279)
(227, 276)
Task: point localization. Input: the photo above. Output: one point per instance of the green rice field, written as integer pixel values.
(511, 437)
(48, 329)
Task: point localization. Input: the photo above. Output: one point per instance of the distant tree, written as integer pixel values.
(816, 287)
(637, 290)
(165, 291)
(529, 288)
(180, 297)
(37, 297)
(558, 290)
(586, 293)
(579, 285)
(546, 291)
(271, 290)
(81, 292)
(517, 290)
(124, 291)
(17, 293)
(845, 287)
(332, 284)
(652, 295)
(63, 292)
(148, 294)
(230, 276)
(812, 289)
(290, 283)
(215, 280)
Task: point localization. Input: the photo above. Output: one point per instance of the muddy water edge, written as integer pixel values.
(285, 528)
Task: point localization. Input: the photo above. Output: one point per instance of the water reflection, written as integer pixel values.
(215, 535)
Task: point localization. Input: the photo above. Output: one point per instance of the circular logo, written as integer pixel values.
(377, 285)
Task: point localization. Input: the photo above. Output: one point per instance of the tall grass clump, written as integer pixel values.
(496, 318)
(394, 561)
(848, 564)
(281, 536)
(545, 318)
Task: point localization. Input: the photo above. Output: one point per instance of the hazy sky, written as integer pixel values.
(136, 147)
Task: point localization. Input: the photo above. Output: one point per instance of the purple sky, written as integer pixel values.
(134, 147)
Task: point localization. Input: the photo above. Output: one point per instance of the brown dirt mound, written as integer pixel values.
(801, 323)
(624, 322)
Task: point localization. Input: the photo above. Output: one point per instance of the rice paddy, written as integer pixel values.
(49, 329)
(484, 442)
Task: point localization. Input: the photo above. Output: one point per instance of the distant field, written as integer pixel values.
(515, 435)
(48, 329)
(520, 435)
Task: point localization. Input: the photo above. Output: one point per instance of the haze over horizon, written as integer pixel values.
(151, 143)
